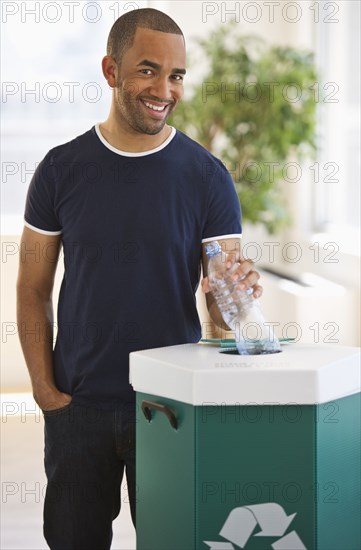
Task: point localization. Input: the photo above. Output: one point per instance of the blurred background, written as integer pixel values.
(273, 89)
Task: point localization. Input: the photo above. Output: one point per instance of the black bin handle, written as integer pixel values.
(147, 407)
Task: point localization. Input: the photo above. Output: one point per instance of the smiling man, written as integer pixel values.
(148, 84)
(132, 202)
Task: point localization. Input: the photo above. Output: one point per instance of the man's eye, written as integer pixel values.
(177, 77)
(145, 71)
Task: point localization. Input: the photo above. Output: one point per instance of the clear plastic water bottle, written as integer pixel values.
(241, 312)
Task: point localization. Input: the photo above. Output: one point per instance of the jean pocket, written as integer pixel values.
(55, 412)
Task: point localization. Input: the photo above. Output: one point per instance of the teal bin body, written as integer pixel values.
(258, 473)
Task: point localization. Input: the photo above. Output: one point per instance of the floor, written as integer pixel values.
(23, 481)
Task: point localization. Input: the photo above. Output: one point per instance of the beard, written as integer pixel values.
(129, 110)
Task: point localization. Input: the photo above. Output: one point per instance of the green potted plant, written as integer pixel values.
(255, 109)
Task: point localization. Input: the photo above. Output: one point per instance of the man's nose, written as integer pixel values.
(161, 88)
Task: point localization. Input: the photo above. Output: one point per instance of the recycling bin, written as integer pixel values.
(253, 452)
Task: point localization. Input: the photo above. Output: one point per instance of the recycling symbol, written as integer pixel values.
(272, 520)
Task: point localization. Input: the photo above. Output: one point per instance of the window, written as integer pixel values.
(336, 175)
(52, 85)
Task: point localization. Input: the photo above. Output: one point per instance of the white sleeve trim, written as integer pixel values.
(221, 237)
(42, 231)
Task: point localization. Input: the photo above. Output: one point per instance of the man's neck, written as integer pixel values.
(132, 142)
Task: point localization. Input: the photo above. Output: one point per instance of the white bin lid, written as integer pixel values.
(199, 374)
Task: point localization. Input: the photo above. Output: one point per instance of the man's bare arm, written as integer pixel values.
(38, 260)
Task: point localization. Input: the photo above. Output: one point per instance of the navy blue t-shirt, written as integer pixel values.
(132, 226)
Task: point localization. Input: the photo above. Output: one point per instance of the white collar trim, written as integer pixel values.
(131, 154)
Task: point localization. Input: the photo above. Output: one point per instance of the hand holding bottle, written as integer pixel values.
(239, 309)
(243, 273)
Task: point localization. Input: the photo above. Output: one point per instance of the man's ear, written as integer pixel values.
(109, 68)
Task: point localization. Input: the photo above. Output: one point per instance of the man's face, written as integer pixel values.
(149, 81)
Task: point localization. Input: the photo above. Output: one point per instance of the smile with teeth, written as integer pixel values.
(155, 107)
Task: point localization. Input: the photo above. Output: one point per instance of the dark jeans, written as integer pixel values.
(86, 453)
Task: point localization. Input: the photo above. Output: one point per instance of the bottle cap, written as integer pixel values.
(213, 248)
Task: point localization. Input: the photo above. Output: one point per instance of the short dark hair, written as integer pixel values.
(122, 33)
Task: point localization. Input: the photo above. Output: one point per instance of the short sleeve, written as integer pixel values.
(224, 218)
(40, 201)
